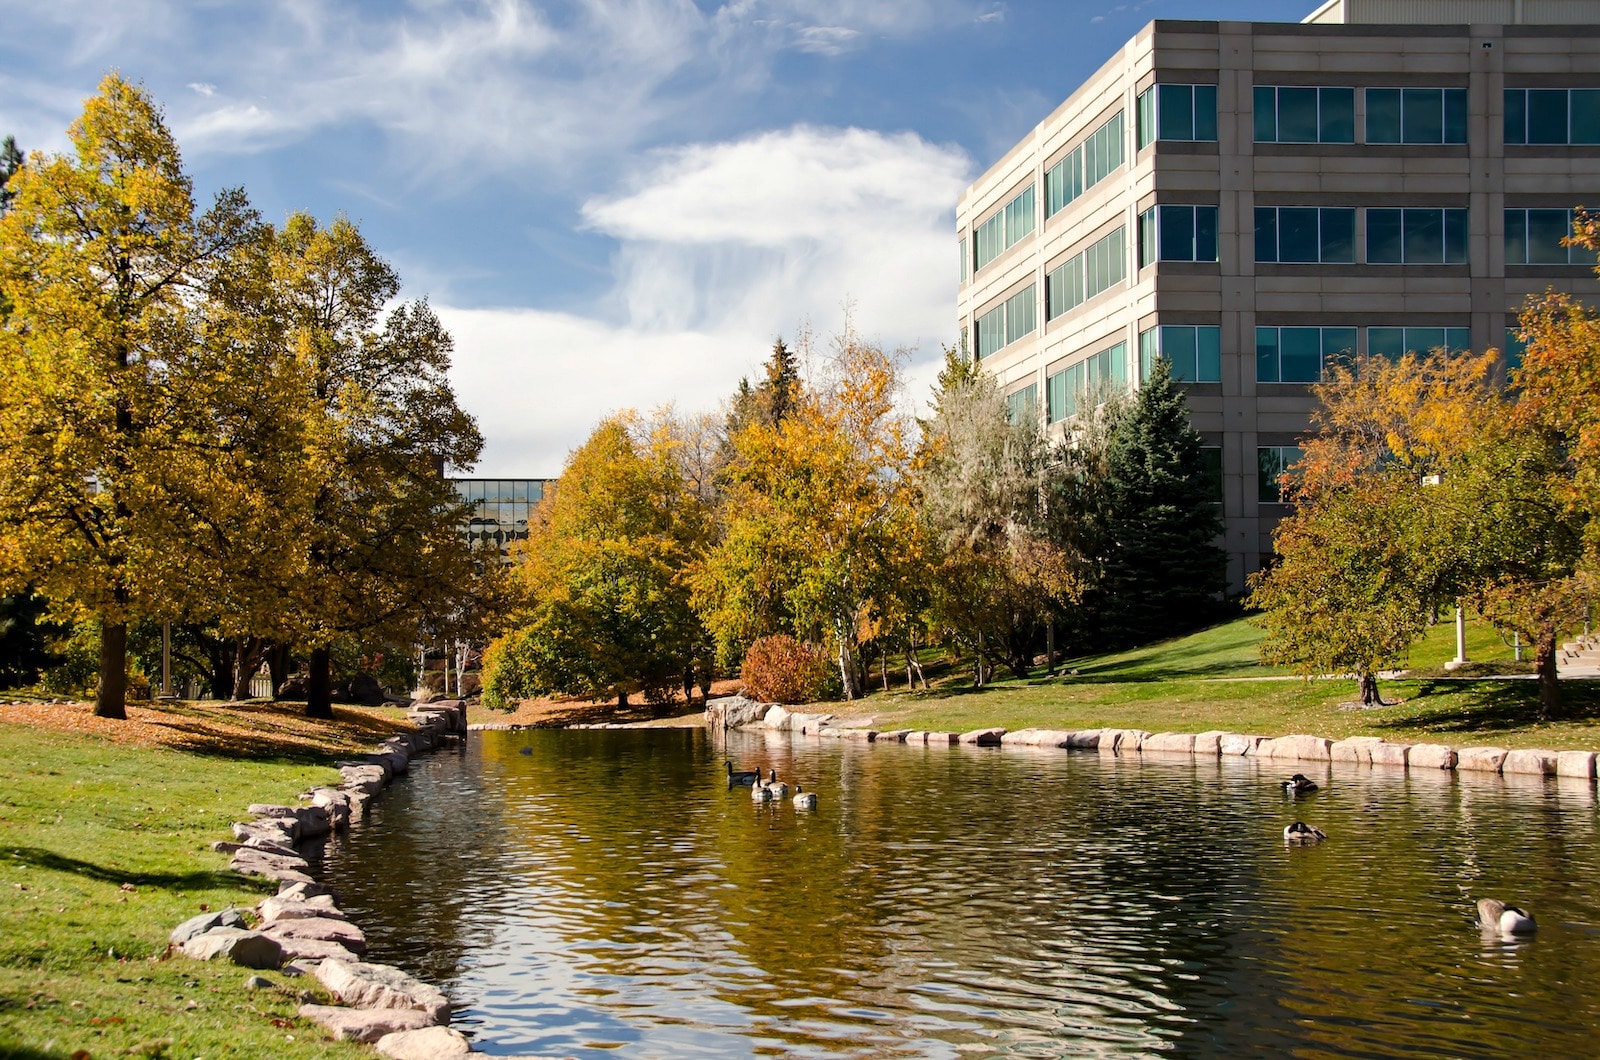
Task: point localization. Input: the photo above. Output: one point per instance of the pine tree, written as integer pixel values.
(10, 162)
(1163, 570)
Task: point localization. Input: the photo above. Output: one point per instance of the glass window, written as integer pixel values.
(1299, 354)
(1416, 237)
(1585, 120)
(1292, 115)
(1102, 265)
(1547, 116)
(1514, 348)
(1020, 315)
(1177, 112)
(1178, 233)
(1024, 404)
(1009, 224)
(961, 249)
(1422, 115)
(1383, 116)
(1084, 166)
(991, 331)
(1194, 351)
(1274, 462)
(1211, 470)
(1305, 234)
(1533, 237)
(1391, 343)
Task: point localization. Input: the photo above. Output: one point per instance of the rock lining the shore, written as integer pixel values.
(739, 712)
(303, 924)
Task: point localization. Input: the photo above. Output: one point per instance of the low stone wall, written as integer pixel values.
(301, 930)
(738, 712)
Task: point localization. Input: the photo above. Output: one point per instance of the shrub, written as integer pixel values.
(780, 669)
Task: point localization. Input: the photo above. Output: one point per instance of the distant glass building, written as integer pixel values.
(501, 508)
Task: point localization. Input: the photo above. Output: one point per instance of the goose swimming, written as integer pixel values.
(1495, 915)
(1300, 832)
(1299, 784)
(742, 776)
(803, 799)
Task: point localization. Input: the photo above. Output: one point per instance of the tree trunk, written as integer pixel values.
(622, 699)
(847, 669)
(247, 661)
(110, 698)
(278, 666)
(1549, 680)
(1369, 691)
(1050, 646)
(319, 685)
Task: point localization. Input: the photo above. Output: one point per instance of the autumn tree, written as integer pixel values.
(602, 605)
(986, 480)
(818, 513)
(383, 553)
(103, 257)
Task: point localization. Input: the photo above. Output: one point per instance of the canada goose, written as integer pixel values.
(778, 788)
(1299, 784)
(1300, 832)
(761, 793)
(746, 776)
(1495, 915)
(803, 799)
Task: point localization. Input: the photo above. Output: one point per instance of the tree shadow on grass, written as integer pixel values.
(1488, 706)
(38, 858)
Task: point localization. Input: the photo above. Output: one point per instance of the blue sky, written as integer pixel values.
(611, 203)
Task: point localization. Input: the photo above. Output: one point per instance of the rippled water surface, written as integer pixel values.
(602, 893)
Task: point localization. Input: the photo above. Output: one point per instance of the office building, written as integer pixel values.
(1251, 200)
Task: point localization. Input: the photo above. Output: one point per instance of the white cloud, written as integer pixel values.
(202, 88)
(723, 247)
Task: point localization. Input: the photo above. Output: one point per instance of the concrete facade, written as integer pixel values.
(1348, 179)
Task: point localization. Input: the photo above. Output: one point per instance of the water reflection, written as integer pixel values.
(605, 895)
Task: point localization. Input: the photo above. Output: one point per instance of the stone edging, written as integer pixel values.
(301, 930)
(736, 712)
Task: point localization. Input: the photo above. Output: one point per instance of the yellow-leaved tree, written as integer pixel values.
(108, 424)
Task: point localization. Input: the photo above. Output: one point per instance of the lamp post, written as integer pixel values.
(1460, 660)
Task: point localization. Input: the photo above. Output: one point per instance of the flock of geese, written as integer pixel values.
(1494, 916)
(770, 789)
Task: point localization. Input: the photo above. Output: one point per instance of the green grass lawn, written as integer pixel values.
(104, 848)
(1213, 680)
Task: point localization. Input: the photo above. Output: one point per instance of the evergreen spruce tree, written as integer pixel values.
(10, 162)
(1163, 571)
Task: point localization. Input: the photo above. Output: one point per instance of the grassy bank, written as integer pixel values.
(105, 832)
(1213, 680)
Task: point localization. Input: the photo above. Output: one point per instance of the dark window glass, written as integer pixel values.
(1424, 238)
(1514, 348)
(1302, 354)
(1386, 342)
(1337, 124)
(1516, 237)
(1205, 233)
(1177, 233)
(1516, 115)
(1338, 345)
(1423, 120)
(1208, 354)
(1266, 233)
(1455, 237)
(1455, 115)
(1297, 115)
(1266, 115)
(1338, 235)
(1546, 230)
(1298, 237)
(1176, 113)
(1547, 115)
(1178, 346)
(1383, 237)
(1147, 237)
(1383, 115)
(1205, 112)
(1211, 470)
(1267, 355)
(1586, 115)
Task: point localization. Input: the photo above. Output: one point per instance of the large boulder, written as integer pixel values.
(1431, 756)
(1121, 741)
(733, 712)
(1234, 743)
(1354, 749)
(365, 689)
(1576, 764)
(1036, 738)
(321, 928)
(426, 1044)
(252, 949)
(380, 986)
(199, 925)
(1299, 746)
(1481, 759)
(364, 1025)
(1532, 762)
(277, 907)
(1390, 754)
(1169, 742)
(248, 862)
(983, 737)
(1209, 742)
(1083, 740)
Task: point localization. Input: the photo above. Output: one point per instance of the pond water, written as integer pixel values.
(602, 893)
